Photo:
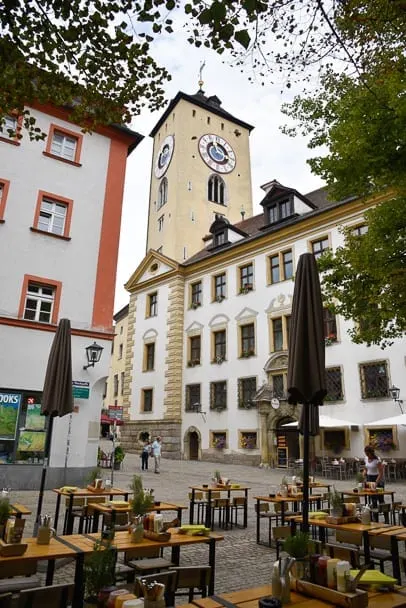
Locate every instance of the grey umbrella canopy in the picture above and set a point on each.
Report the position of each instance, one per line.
(57, 396)
(306, 364)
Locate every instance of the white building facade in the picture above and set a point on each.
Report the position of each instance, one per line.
(60, 214)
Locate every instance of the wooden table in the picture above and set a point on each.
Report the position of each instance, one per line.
(122, 542)
(368, 494)
(209, 490)
(59, 547)
(81, 493)
(18, 510)
(109, 509)
(282, 501)
(396, 534)
(248, 598)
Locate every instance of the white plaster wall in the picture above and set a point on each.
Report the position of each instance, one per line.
(153, 379)
(23, 366)
(74, 262)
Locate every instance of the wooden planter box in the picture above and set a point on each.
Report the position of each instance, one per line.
(358, 599)
(12, 549)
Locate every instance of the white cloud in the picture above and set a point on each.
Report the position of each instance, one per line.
(273, 155)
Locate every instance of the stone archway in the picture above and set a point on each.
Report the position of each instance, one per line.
(192, 444)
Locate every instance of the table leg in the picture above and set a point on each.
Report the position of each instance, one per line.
(179, 515)
(95, 524)
(367, 555)
(246, 509)
(258, 521)
(283, 512)
(175, 555)
(50, 572)
(208, 510)
(212, 563)
(57, 507)
(78, 593)
(192, 508)
(395, 559)
(69, 521)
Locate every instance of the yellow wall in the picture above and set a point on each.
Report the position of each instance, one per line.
(117, 364)
(179, 230)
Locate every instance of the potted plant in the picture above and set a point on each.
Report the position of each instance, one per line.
(5, 512)
(359, 479)
(94, 476)
(336, 503)
(141, 503)
(118, 457)
(297, 546)
(284, 488)
(99, 570)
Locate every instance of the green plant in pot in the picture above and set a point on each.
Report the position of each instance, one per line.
(99, 570)
(336, 503)
(297, 546)
(93, 475)
(359, 480)
(5, 512)
(141, 503)
(118, 457)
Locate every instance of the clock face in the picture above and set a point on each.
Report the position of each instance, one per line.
(217, 153)
(164, 155)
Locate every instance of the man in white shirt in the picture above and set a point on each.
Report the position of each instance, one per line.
(156, 452)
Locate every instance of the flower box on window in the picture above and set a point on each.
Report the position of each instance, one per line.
(195, 305)
(193, 362)
(330, 339)
(248, 353)
(246, 288)
(382, 440)
(219, 441)
(220, 298)
(248, 440)
(219, 360)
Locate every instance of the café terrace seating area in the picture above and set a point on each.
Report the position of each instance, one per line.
(170, 553)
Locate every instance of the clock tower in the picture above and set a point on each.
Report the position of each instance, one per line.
(201, 168)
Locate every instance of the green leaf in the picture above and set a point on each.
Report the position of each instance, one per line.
(243, 38)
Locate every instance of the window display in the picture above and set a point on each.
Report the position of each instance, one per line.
(22, 428)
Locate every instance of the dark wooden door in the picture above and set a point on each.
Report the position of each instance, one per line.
(193, 446)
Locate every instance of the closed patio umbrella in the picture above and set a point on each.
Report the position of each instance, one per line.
(306, 363)
(57, 396)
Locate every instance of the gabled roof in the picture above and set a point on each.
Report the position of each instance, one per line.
(151, 257)
(277, 190)
(213, 104)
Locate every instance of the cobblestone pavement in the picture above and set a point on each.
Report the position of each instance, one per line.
(240, 562)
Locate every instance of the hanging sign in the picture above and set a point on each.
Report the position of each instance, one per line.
(33, 420)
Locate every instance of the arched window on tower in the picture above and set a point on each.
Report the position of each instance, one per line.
(162, 193)
(216, 189)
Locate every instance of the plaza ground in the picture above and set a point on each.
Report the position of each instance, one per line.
(240, 562)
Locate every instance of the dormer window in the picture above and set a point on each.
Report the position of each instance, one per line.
(216, 190)
(280, 211)
(220, 238)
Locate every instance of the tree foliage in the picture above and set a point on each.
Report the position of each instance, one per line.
(365, 279)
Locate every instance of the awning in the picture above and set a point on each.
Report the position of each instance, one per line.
(400, 419)
(104, 419)
(326, 422)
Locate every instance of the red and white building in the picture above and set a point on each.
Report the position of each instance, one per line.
(60, 216)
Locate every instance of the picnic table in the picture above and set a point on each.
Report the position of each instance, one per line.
(209, 489)
(111, 509)
(18, 510)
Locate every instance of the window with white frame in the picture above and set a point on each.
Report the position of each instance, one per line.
(147, 399)
(281, 266)
(247, 388)
(192, 401)
(219, 284)
(319, 247)
(216, 190)
(160, 223)
(247, 337)
(359, 230)
(162, 193)
(218, 395)
(63, 145)
(9, 123)
(374, 379)
(52, 216)
(39, 303)
(246, 278)
(334, 384)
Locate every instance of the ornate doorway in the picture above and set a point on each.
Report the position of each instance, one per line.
(287, 442)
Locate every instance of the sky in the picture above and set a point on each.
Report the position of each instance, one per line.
(273, 155)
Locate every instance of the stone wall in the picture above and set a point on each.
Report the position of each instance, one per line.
(168, 430)
(218, 456)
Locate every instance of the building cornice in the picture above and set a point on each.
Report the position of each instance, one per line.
(90, 333)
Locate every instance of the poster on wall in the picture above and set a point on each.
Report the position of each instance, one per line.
(34, 421)
(31, 441)
(9, 410)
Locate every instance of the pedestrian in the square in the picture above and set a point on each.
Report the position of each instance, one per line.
(146, 450)
(156, 452)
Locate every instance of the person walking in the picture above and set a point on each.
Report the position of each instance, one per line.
(156, 452)
(146, 450)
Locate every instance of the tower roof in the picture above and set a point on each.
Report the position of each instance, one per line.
(212, 103)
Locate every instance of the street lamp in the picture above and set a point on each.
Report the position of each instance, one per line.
(93, 354)
(394, 393)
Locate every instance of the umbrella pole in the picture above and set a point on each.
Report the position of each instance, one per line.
(306, 422)
(47, 451)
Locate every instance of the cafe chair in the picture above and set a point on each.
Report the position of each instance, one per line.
(201, 505)
(238, 504)
(222, 506)
(265, 513)
(57, 596)
(122, 521)
(195, 579)
(352, 499)
(280, 533)
(380, 550)
(78, 512)
(89, 513)
(18, 575)
(396, 513)
(167, 578)
(146, 560)
(344, 553)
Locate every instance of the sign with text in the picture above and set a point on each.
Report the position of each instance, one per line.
(9, 409)
(33, 420)
(81, 389)
(115, 412)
